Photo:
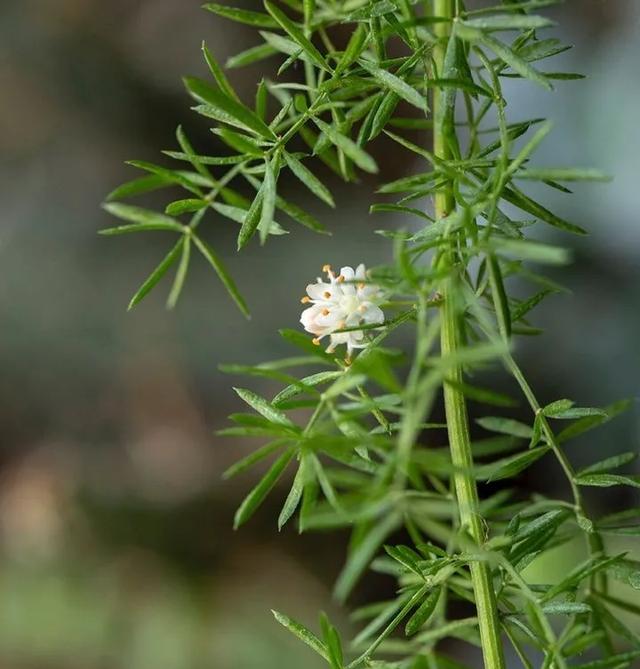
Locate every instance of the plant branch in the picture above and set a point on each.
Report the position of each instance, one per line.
(455, 405)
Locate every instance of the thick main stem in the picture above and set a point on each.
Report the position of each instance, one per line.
(455, 405)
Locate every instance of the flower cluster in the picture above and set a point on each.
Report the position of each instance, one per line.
(344, 301)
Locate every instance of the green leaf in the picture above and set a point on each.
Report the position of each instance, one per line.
(509, 22)
(362, 159)
(483, 395)
(561, 174)
(251, 221)
(181, 273)
(218, 74)
(580, 573)
(519, 199)
(510, 466)
(201, 90)
(266, 430)
(189, 205)
(424, 612)
(251, 55)
(332, 642)
(253, 500)
(514, 131)
(557, 407)
(626, 571)
(383, 207)
(456, 628)
(296, 34)
(407, 184)
(524, 307)
(239, 142)
(156, 275)
(282, 44)
(309, 179)
(138, 186)
(239, 214)
(566, 608)
(268, 191)
(571, 412)
(509, 57)
(137, 227)
(377, 367)
(253, 458)
(500, 299)
(537, 432)
(620, 661)
(325, 483)
(607, 480)
(373, 10)
(528, 250)
(455, 66)
(355, 46)
(383, 113)
(301, 216)
(343, 384)
(292, 210)
(142, 219)
(295, 494)
(264, 408)
(305, 635)
(189, 181)
(530, 539)
(185, 145)
(453, 84)
(541, 49)
(613, 622)
(541, 525)
(264, 371)
(262, 97)
(362, 553)
(222, 273)
(249, 18)
(532, 144)
(206, 160)
(587, 423)
(560, 76)
(614, 462)
(505, 426)
(313, 380)
(397, 85)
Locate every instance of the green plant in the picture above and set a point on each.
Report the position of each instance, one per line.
(365, 458)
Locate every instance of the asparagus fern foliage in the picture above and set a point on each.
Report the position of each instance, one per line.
(369, 457)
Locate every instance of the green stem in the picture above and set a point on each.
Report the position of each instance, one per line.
(595, 544)
(455, 405)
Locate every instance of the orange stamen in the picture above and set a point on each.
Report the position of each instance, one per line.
(327, 294)
(305, 299)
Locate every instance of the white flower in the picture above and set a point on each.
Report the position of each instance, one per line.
(345, 301)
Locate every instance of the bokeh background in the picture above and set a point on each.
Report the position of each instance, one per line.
(116, 547)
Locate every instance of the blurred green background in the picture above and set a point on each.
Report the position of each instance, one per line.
(116, 548)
